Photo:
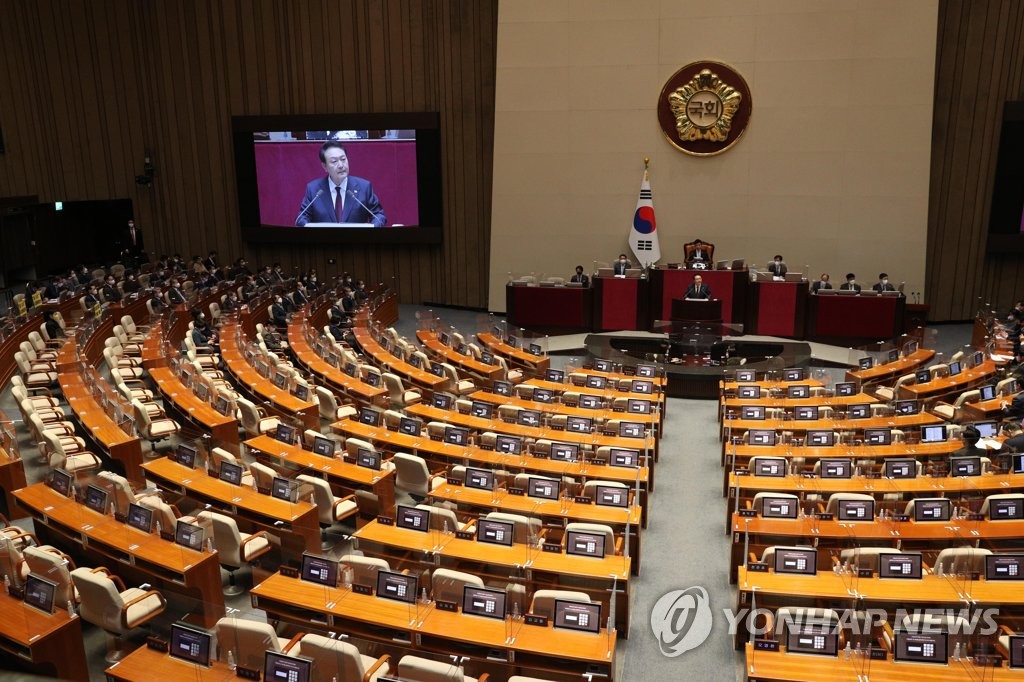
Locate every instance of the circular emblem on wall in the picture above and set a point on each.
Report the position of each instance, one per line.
(704, 108)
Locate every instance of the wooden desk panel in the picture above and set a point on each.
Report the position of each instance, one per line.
(390, 363)
(430, 341)
(985, 409)
(899, 421)
(188, 405)
(943, 386)
(145, 664)
(533, 364)
(48, 645)
(334, 377)
(80, 531)
(892, 370)
(649, 420)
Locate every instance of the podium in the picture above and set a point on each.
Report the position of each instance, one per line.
(777, 308)
(728, 286)
(620, 303)
(688, 310)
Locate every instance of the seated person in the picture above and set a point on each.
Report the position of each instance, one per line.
(53, 328)
(698, 290)
(620, 266)
(341, 328)
(883, 283)
(230, 303)
(1015, 440)
(822, 283)
(850, 284)
(204, 337)
(777, 267)
(700, 253)
(580, 277)
(278, 313)
(131, 283)
(92, 297)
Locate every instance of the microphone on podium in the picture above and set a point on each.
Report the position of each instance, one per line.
(352, 193)
(311, 202)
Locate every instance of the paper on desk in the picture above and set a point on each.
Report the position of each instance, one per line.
(990, 444)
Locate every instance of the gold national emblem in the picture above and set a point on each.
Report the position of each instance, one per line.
(704, 108)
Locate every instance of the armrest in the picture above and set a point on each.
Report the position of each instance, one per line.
(484, 678)
(254, 536)
(293, 641)
(887, 630)
(821, 507)
(369, 674)
(340, 501)
(141, 597)
(116, 580)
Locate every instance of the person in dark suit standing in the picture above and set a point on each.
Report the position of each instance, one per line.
(698, 290)
(883, 283)
(339, 197)
(134, 244)
(778, 267)
(278, 313)
(580, 277)
(620, 266)
(822, 283)
(850, 284)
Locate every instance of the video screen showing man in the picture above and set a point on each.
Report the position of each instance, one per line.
(698, 290)
(339, 197)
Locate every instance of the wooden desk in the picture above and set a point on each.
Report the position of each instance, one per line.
(429, 340)
(347, 477)
(530, 649)
(296, 524)
(145, 664)
(730, 386)
(900, 421)
(103, 540)
(520, 563)
(985, 409)
(944, 386)
(332, 376)
(734, 404)
(777, 308)
(12, 470)
(188, 406)
(390, 363)
(730, 286)
(51, 646)
(608, 395)
(890, 371)
(281, 401)
(533, 364)
(648, 420)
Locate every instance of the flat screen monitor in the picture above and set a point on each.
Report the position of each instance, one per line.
(639, 406)
(502, 387)
(585, 544)
(577, 615)
(866, 363)
(638, 386)
(351, 369)
(202, 392)
(223, 405)
(1017, 651)
(190, 644)
(986, 429)
(855, 510)
(139, 517)
(479, 601)
(556, 375)
(575, 424)
(412, 518)
(977, 358)
(858, 411)
(397, 586)
(770, 466)
(445, 339)
(761, 437)
(528, 418)
(495, 532)
(301, 391)
(543, 488)
(836, 468)
(755, 412)
(779, 507)
(900, 468)
(893, 355)
(543, 395)
(565, 452)
(230, 472)
(925, 647)
(39, 593)
(746, 375)
(510, 445)
(189, 535)
(369, 416)
(285, 433)
(611, 496)
(965, 466)
(932, 509)
(480, 409)
(646, 371)
(512, 341)
(595, 381)
(280, 380)
(535, 349)
(628, 459)
(846, 388)
(797, 561)
(805, 412)
(905, 566)
(821, 438)
(793, 374)
(442, 401)
(96, 499)
(60, 480)
(907, 407)
(410, 426)
(318, 569)
(283, 489)
(910, 347)
(954, 369)
(878, 436)
(487, 357)
(481, 479)
(279, 667)
(1006, 508)
(456, 435)
(1004, 567)
(603, 365)
(988, 391)
(437, 369)
(935, 433)
(798, 391)
(821, 639)
(368, 459)
(922, 376)
(323, 446)
(185, 455)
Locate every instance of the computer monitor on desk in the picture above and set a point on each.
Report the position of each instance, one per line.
(190, 644)
(846, 388)
(40, 592)
(510, 445)
(855, 510)
(900, 468)
(412, 518)
(796, 560)
(924, 647)
(813, 638)
(933, 509)
(769, 466)
(904, 566)
(1004, 567)
(576, 615)
(836, 468)
(280, 667)
(319, 570)
(495, 532)
(579, 543)
(480, 479)
(479, 601)
(821, 438)
(397, 586)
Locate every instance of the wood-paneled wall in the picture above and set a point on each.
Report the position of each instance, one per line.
(88, 87)
(979, 66)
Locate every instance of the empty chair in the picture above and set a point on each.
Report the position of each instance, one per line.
(334, 659)
(400, 397)
(543, 602)
(364, 568)
(1005, 387)
(442, 518)
(949, 412)
(866, 557)
(590, 487)
(220, 455)
(54, 565)
(122, 490)
(411, 474)
(36, 362)
(330, 509)
(446, 584)
(417, 669)
(40, 399)
(354, 445)
(233, 547)
(329, 407)
(63, 430)
(126, 368)
(938, 370)
(34, 378)
(59, 458)
(458, 385)
(247, 641)
(254, 420)
(106, 603)
(759, 499)
(151, 429)
(12, 561)
(263, 476)
(887, 393)
(513, 375)
(960, 560)
(130, 347)
(44, 351)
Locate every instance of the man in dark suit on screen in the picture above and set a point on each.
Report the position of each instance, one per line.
(339, 197)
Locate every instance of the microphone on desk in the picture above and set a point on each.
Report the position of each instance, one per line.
(352, 193)
(311, 202)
